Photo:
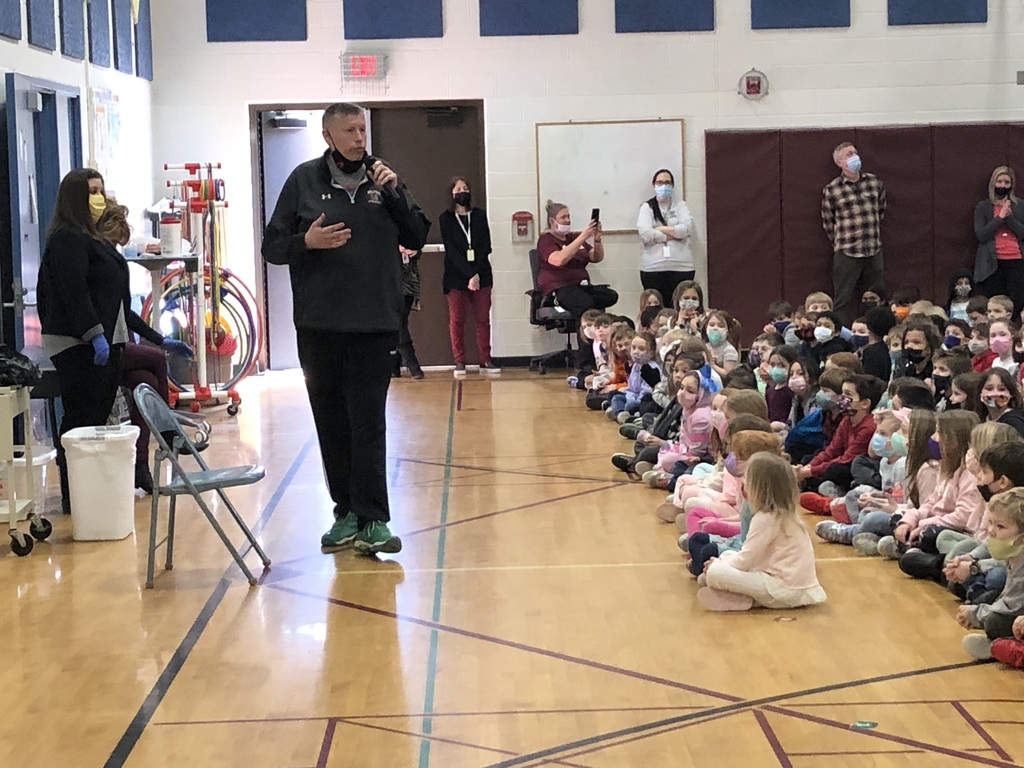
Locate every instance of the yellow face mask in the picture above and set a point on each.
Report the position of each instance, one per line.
(97, 205)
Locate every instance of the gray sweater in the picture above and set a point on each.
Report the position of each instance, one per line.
(1010, 602)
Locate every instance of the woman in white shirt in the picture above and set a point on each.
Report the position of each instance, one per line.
(665, 227)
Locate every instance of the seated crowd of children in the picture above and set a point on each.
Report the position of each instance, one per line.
(904, 432)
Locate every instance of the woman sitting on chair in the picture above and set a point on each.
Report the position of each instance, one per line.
(564, 256)
(143, 363)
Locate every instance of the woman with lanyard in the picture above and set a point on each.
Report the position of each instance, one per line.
(467, 277)
(665, 226)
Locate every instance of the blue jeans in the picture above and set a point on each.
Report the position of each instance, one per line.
(624, 401)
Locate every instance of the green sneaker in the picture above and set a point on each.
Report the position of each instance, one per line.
(377, 537)
(341, 535)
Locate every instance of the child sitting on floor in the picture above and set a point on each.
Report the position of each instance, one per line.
(1005, 542)
(861, 394)
(644, 375)
(775, 567)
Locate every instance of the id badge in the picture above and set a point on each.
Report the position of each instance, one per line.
(470, 256)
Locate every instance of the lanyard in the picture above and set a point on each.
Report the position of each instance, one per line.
(466, 229)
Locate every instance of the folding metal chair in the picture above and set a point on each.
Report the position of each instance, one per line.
(162, 423)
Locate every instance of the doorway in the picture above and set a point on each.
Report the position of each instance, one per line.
(40, 125)
(286, 135)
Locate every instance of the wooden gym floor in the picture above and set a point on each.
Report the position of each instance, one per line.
(538, 616)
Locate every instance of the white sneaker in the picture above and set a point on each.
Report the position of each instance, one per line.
(460, 370)
(978, 646)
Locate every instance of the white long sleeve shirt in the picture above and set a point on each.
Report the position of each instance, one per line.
(660, 253)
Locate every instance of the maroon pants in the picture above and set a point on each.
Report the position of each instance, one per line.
(459, 305)
(144, 364)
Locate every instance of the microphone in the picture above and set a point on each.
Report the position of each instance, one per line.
(388, 190)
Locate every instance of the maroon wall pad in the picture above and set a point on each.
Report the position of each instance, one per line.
(744, 211)
(963, 158)
(902, 157)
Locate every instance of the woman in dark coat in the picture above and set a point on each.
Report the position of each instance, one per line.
(999, 227)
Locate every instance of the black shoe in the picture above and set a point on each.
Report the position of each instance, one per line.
(629, 430)
(921, 565)
(622, 461)
(143, 478)
(417, 372)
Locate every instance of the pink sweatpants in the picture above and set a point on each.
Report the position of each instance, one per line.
(700, 519)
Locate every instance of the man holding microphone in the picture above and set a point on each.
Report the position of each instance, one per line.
(337, 225)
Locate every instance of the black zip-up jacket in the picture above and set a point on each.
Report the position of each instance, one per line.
(458, 270)
(83, 285)
(356, 288)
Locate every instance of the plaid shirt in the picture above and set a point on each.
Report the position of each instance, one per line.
(852, 213)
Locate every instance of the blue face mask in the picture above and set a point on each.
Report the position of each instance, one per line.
(853, 163)
(825, 400)
(952, 341)
(880, 446)
(663, 191)
(715, 337)
(895, 355)
(782, 325)
(859, 340)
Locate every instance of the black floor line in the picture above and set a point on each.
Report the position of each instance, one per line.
(142, 718)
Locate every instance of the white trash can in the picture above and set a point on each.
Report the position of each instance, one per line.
(101, 478)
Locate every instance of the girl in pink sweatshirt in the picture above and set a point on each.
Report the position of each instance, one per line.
(775, 567)
(955, 499)
(695, 395)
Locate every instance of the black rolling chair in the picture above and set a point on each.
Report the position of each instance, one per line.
(543, 312)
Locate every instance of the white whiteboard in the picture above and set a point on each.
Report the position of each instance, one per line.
(607, 165)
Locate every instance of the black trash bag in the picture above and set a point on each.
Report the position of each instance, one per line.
(16, 370)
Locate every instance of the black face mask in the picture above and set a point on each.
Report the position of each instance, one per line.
(347, 166)
(462, 198)
(941, 383)
(805, 333)
(986, 493)
(1002, 191)
(914, 356)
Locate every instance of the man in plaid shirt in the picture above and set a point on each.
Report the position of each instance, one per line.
(852, 209)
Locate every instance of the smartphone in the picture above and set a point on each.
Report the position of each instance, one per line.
(595, 215)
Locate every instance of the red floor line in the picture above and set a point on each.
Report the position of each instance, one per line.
(908, 701)
(504, 471)
(773, 739)
(498, 512)
(980, 730)
(642, 736)
(418, 715)
(902, 740)
(325, 745)
(443, 740)
(1002, 722)
(512, 644)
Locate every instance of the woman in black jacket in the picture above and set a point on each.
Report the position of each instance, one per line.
(999, 227)
(467, 278)
(85, 308)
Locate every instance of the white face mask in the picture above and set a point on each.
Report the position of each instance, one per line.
(588, 333)
(562, 229)
(822, 334)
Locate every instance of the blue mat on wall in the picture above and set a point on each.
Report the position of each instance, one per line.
(393, 19)
(99, 32)
(500, 18)
(937, 12)
(72, 29)
(799, 14)
(144, 42)
(10, 19)
(42, 25)
(233, 21)
(123, 59)
(665, 15)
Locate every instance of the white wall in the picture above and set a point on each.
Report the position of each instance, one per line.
(868, 74)
(131, 175)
